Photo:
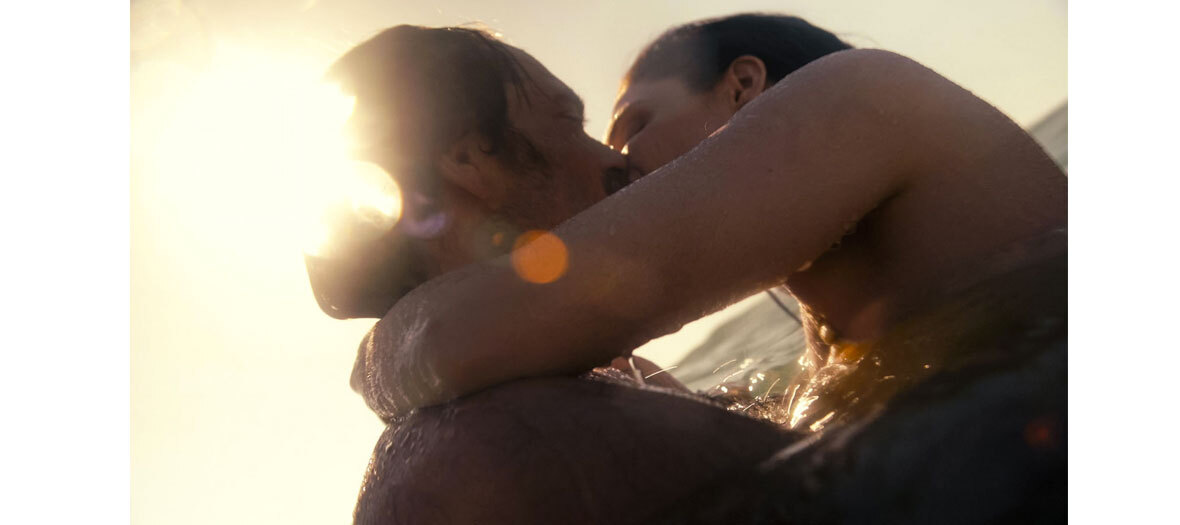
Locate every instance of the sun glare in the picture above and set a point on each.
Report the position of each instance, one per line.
(255, 151)
(371, 191)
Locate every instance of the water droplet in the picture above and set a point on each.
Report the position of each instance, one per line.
(823, 420)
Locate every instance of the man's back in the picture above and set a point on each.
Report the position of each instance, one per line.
(556, 450)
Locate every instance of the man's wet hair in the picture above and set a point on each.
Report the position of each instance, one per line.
(420, 89)
(700, 52)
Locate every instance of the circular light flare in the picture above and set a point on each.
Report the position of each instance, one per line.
(539, 257)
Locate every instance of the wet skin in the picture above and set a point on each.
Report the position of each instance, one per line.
(894, 254)
(979, 439)
(557, 450)
(961, 416)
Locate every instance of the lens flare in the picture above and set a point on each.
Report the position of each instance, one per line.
(539, 257)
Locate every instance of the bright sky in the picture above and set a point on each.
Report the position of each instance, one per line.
(240, 407)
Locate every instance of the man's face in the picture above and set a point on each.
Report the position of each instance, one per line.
(575, 164)
(656, 121)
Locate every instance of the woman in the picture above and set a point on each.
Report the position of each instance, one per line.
(870, 187)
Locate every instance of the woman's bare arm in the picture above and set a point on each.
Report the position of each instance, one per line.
(762, 196)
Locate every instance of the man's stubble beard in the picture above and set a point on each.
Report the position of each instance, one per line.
(535, 197)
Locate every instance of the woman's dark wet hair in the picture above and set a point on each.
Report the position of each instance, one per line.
(700, 52)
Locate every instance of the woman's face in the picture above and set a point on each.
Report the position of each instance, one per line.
(656, 121)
